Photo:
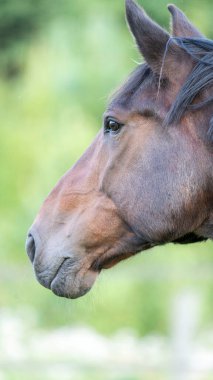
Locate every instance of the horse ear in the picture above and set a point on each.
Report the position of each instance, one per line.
(151, 39)
(181, 26)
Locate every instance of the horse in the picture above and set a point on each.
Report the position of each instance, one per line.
(147, 178)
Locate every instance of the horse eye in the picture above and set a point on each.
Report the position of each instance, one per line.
(112, 125)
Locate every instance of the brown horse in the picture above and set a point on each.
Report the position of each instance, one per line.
(147, 179)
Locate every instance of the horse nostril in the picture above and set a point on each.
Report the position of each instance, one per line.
(30, 247)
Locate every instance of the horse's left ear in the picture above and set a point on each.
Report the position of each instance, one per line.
(151, 39)
(181, 26)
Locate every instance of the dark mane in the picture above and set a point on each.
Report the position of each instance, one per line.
(201, 77)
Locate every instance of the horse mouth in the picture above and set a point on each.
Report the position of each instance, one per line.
(69, 280)
(72, 281)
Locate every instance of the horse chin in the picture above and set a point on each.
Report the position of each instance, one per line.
(73, 285)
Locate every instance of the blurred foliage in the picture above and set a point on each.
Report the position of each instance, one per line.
(59, 61)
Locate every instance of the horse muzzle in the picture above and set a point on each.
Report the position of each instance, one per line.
(63, 274)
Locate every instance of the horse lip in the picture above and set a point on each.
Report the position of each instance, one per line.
(74, 289)
(57, 271)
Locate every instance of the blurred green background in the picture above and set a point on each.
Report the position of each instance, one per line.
(59, 61)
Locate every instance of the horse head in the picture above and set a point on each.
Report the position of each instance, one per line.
(147, 177)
